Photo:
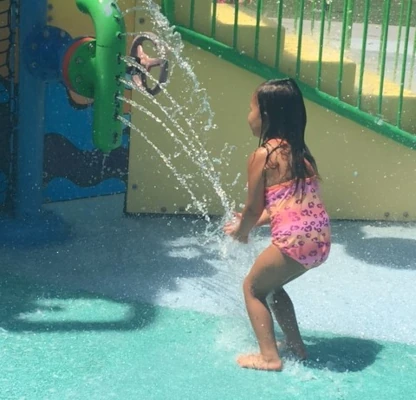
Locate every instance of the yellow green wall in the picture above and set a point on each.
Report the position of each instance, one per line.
(365, 175)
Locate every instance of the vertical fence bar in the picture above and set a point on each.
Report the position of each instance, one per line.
(235, 30)
(296, 10)
(384, 26)
(300, 33)
(191, 15)
(399, 38)
(214, 19)
(342, 50)
(350, 19)
(278, 32)
(363, 52)
(403, 77)
(321, 46)
(385, 33)
(168, 7)
(313, 4)
(328, 7)
(412, 66)
(257, 34)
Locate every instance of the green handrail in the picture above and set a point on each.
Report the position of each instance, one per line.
(227, 53)
(295, 11)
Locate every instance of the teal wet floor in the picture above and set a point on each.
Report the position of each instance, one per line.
(61, 345)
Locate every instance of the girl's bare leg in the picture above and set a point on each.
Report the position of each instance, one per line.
(284, 312)
(271, 270)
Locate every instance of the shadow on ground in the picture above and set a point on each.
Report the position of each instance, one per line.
(341, 354)
(20, 300)
(125, 261)
(392, 252)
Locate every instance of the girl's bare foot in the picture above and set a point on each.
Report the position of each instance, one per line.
(257, 361)
(298, 350)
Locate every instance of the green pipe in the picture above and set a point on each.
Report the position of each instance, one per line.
(300, 33)
(342, 50)
(227, 53)
(363, 52)
(278, 33)
(257, 33)
(101, 70)
(403, 77)
(321, 46)
(385, 33)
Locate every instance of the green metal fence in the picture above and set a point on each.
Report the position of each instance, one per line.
(367, 48)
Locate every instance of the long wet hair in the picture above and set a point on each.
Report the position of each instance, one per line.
(283, 116)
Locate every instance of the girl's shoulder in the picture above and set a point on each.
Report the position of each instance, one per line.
(274, 144)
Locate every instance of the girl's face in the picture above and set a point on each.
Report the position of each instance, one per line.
(254, 118)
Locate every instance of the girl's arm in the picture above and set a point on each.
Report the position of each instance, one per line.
(254, 207)
(264, 218)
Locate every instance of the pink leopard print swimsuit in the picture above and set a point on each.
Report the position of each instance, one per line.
(300, 225)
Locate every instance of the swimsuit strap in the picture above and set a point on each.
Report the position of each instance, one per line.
(270, 149)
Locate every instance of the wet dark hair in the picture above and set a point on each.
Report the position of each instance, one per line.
(283, 116)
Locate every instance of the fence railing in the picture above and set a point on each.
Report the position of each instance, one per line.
(357, 58)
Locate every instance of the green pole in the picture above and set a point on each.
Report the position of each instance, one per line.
(96, 67)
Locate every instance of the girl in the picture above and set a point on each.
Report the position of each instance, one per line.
(283, 190)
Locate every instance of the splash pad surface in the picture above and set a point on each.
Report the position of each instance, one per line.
(149, 308)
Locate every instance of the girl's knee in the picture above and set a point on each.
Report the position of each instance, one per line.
(250, 289)
(247, 286)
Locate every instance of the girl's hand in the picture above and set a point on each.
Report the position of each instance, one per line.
(232, 229)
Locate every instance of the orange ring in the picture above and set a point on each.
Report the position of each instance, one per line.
(67, 59)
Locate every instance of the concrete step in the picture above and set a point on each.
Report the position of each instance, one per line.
(309, 56)
(247, 21)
